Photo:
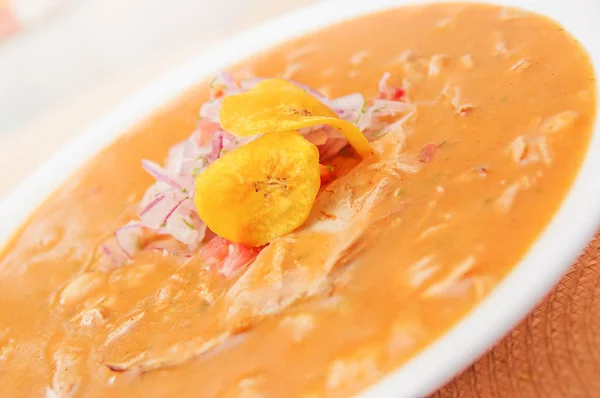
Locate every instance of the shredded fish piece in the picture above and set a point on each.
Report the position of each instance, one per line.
(249, 387)
(482, 285)
(527, 150)
(124, 327)
(359, 57)
(442, 287)
(174, 356)
(408, 55)
(445, 22)
(345, 372)
(404, 335)
(298, 325)
(7, 348)
(431, 231)
(454, 95)
(421, 271)
(559, 122)
(505, 201)
(520, 65)
(435, 64)
(542, 145)
(407, 168)
(501, 49)
(66, 378)
(466, 61)
(518, 148)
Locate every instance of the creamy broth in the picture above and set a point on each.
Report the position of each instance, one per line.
(505, 98)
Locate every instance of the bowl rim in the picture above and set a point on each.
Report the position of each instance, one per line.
(545, 262)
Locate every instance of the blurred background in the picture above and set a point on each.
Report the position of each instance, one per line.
(64, 63)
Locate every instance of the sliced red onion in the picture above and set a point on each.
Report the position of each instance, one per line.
(128, 238)
(153, 215)
(204, 132)
(317, 137)
(333, 146)
(148, 208)
(174, 209)
(348, 107)
(160, 174)
(320, 96)
(226, 80)
(217, 145)
(210, 110)
(179, 228)
(106, 250)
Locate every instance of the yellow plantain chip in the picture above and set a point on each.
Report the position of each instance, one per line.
(275, 105)
(260, 191)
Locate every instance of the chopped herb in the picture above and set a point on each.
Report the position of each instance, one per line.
(362, 110)
(204, 305)
(376, 133)
(183, 190)
(399, 192)
(188, 224)
(204, 160)
(195, 171)
(212, 82)
(441, 144)
(200, 117)
(330, 168)
(163, 225)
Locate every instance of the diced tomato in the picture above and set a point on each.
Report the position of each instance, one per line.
(398, 94)
(237, 256)
(227, 256)
(393, 94)
(327, 174)
(427, 153)
(218, 93)
(215, 251)
(206, 128)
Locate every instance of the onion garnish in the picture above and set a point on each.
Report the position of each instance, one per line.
(160, 174)
(128, 238)
(167, 208)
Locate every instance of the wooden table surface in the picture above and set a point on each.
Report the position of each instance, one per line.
(554, 352)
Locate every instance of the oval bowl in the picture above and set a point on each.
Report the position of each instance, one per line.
(540, 269)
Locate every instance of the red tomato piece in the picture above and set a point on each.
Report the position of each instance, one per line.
(228, 257)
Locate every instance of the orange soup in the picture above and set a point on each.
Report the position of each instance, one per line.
(478, 117)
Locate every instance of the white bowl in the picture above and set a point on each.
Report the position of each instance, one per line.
(576, 221)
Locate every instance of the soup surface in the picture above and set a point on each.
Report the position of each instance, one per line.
(396, 250)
